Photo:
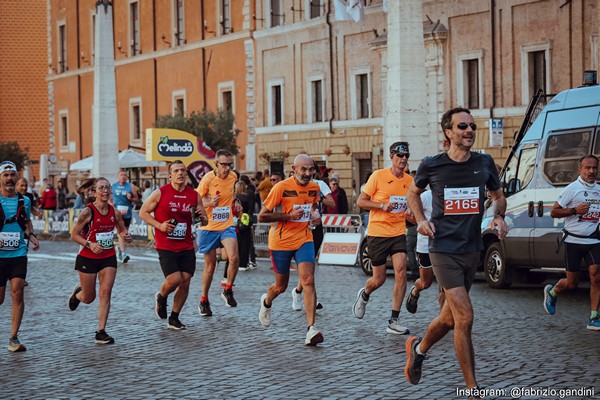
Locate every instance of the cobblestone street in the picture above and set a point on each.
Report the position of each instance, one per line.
(230, 355)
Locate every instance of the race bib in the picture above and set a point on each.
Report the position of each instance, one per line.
(179, 232)
(10, 240)
(459, 201)
(593, 213)
(399, 203)
(221, 214)
(105, 239)
(305, 212)
(123, 209)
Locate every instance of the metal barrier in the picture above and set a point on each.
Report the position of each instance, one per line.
(349, 223)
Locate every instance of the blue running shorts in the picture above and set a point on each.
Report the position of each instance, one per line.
(283, 258)
(210, 240)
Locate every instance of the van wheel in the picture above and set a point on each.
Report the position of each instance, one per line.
(365, 261)
(497, 274)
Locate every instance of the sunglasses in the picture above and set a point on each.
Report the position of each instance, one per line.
(463, 126)
(103, 188)
(226, 164)
(274, 179)
(401, 155)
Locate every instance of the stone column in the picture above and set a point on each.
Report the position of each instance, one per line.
(406, 112)
(104, 110)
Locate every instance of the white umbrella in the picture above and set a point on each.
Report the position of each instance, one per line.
(127, 159)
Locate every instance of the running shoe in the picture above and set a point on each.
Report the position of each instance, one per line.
(227, 296)
(395, 328)
(251, 266)
(411, 302)
(594, 323)
(14, 345)
(414, 362)
(73, 301)
(126, 258)
(103, 338)
(264, 315)
(296, 300)
(175, 324)
(160, 306)
(360, 305)
(243, 268)
(549, 300)
(319, 306)
(204, 309)
(313, 337)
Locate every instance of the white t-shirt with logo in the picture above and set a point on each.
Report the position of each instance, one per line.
(422, 240)
(575, 193)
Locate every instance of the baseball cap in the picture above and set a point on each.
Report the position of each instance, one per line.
(7, 166)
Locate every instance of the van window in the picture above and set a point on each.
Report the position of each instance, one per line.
(519, 171)
(563, 151)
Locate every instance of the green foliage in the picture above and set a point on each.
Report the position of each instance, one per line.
(216, 130)
(11, 151)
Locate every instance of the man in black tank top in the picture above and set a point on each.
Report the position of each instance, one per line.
(458, 180)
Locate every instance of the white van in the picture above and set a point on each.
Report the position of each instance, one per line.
(545, 160)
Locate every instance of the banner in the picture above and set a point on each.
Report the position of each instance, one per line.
(340, 248)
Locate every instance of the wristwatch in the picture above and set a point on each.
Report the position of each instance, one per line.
(87, 244)
(573, 211)
(500, 214)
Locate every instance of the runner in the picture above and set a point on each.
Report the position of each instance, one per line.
(15, 214)
(385, 195)
(172, 205)
(217, 192)
(124, 194)
(458, 180)
(579, 205)
(93, 231)
(290, 237)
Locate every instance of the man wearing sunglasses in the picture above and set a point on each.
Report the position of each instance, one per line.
(458, 180)
(217, 192)
(384, 195)
(16, 227)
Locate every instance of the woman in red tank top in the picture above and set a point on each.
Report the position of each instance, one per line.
(94, 232)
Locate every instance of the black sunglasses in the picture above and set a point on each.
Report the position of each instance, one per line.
(226, 164)
(463, 125)
(400, 155)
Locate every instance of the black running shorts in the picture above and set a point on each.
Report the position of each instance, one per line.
(14, 267)
(181, 261)
(455, 270)
(381, 247)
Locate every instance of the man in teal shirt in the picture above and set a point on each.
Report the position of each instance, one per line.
(124, 194)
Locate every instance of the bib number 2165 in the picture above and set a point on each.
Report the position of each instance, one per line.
(458, 201)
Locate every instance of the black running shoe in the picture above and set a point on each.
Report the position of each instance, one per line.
(160, 306)
(411, 302)
(73, 301)
(204, 309)
(103, 338)
(319, 306)
(414, 362)
(227, 296)
(175, 324)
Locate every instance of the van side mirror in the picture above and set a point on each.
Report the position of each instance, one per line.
(514, 185)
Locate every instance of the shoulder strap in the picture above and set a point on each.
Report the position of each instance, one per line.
(21, 215)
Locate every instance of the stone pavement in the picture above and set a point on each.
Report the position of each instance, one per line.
(230, 355)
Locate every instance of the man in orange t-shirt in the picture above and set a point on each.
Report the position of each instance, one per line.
(217, 192)
(385, 195)
(291, 237)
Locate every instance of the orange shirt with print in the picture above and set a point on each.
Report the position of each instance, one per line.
(384, 187)
(220, 217)
(291, 235)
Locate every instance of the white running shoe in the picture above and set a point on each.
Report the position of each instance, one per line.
(313, 336)
(360, 305)
(264, 315)
(296, 300)
(397, 329)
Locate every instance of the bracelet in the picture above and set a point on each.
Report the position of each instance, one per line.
(381, 205)
(499, 213)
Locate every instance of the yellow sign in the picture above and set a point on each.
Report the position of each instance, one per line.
(172, 144)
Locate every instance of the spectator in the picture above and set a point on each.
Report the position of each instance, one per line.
(147, 190)
(276, 177)
(48, 201)
(61, 195)
(339, 197)
(22, 185)
(265, 186)
(244, 225)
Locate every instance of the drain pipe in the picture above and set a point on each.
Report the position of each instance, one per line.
(493, 38)
(331, 69)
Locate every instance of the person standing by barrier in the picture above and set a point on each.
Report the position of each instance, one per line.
(22, 186)
(217, 192)
(290, 237)
(385, 196)
(15, 228)
(340, 200)
(325, 200)
(579, 205)
(244, 226)
(458, 180)
(124, 195)
(172, 205)
(48, 200)
(93, 231)
(61, 195)
(265, 186)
